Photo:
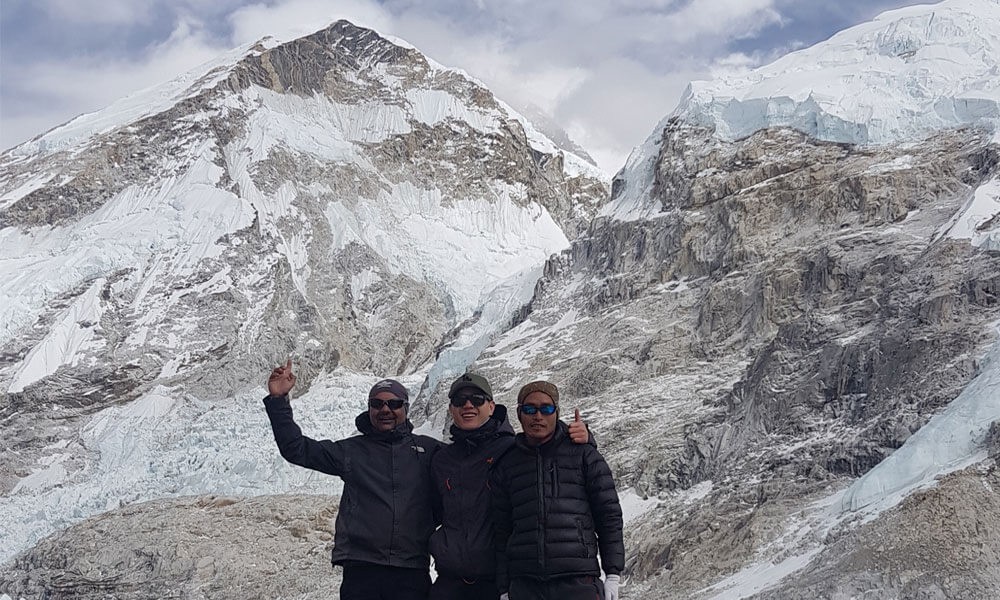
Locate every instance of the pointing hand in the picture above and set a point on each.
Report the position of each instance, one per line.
(282, 380)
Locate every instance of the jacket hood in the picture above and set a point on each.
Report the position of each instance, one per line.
(364, 425)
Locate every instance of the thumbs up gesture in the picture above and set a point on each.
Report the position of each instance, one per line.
(282, 380)
(578, 431)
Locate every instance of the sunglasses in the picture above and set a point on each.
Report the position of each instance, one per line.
(530, 409)
(394, 404)
(476, 400)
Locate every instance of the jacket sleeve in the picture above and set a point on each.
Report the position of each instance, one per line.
(607, 511)
(325, 456)
(503, 524)
(437, 503)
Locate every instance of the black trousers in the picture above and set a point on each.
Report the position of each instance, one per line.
(565, 588)
(377, 582)
(446, 587)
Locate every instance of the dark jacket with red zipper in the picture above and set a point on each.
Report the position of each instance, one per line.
(463, 546)
(386, 509)
(555, 511)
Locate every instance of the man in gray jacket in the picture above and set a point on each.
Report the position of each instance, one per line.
(386, 509)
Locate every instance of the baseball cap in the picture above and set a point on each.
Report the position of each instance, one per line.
(471, 380)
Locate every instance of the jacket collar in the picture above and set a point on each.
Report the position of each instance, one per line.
(496, 426)
(364, 425)
(561, 433)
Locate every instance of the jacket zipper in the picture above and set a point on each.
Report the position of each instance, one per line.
(542, 517)
(395, 513)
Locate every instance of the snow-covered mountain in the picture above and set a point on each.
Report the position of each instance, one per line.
(340, 199)
(785, 342)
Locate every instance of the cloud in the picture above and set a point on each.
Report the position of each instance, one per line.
(47, 93)
(606, 70)
(295, 18)
(617, 108)
(122, 12)
(722, 18)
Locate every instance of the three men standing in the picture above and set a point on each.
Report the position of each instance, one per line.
(398, 486)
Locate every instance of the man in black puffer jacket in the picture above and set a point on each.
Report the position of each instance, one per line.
(462, 547)
(556, 510)
(386, 509)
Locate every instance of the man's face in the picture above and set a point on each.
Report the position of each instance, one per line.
(385, 418)
(468, 416)
(538, 427)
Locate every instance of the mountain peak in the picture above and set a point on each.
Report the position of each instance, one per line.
(341, 47)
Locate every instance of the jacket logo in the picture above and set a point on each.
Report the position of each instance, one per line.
(418, 448)
(489, 460)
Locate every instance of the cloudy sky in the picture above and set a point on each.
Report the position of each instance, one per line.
(605, 70)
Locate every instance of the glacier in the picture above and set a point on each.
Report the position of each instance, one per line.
(907, 73)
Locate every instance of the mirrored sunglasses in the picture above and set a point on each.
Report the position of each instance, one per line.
(394, 404)
(530, 409)
(477, 400)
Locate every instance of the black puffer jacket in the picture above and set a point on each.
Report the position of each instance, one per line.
(463, 546)
(556, 509)
(386, 509)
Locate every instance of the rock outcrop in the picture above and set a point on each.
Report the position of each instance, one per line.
(939, 543)
(192, 547)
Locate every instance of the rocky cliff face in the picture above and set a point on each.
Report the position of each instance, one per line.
(789, 314)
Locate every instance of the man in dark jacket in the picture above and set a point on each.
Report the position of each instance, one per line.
(556, 510)
(386, 509)
(463, 547)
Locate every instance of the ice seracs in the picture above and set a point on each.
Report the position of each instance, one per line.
(899, 77)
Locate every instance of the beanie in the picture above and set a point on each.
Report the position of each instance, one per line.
(549, 389)
(389, 385)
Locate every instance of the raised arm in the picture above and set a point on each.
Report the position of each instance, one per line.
(325, 455)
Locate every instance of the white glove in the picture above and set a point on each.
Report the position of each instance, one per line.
(611, 587)
(505, 596)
